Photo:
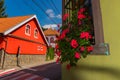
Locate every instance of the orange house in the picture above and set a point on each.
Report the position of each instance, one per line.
(23, 34)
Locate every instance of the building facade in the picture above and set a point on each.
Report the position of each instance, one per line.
(51, 36)
(22, 41)
(23, 32)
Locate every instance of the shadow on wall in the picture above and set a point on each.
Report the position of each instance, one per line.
(77, 73)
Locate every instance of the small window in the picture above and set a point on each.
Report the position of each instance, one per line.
(51, 40)
(27, 30)
(39, 48)
(36, 33)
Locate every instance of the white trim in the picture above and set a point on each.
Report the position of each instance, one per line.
(19, 25)
(41, 29)
(34, 33)
(40, 48)
(28, 34)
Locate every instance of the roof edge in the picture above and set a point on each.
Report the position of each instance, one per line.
(20, 24)
(41, 30)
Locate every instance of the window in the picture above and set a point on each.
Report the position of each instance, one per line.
(40, 48)
(36, 33)
(27, 30)
(52, 40)
(95, 12)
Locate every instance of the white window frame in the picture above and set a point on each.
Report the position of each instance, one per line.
(28, 34)
(34, 33)
(39, 48)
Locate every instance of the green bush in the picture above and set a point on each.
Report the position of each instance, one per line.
(50, 54)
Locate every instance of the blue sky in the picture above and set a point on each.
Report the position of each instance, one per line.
(48, 12)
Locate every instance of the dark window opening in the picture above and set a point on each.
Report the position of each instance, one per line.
(51, 40)
(36, 33)
(27, 29)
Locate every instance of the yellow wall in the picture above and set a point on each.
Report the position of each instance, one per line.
(101, 67)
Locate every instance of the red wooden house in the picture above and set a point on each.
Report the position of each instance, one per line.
(22, 33)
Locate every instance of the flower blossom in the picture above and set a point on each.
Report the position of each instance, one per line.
(63, 34)
(74, 43)
(81, 16)
(89, 48)
(77, 55)
(85, 35)
(65, 16)
(82, 48)
(81, 10)
(58, 59)
(56, 47)
(80, 13)
(58, 53)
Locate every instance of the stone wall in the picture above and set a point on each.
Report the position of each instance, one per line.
(11, 60)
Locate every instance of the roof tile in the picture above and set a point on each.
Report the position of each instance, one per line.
(50, 31)
(9, 22)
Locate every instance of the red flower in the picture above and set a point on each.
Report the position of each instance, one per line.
(82, 48)
(65, 16)
(80, 13)
(89, 48)
(90, 37)
(74, 43)
(58, 53)
(77, 55)
(58, 59)
(66, 31)
(81, 16)
(81, 10)
(68, 66)
(56, 47)
(85, 35)
(62, 36)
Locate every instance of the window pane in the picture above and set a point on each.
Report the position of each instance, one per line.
(36, 33)
(27, 29)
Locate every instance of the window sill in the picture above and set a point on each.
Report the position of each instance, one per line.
(101, 49)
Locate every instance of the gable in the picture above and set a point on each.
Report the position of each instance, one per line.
(18, 29)
(10, 22)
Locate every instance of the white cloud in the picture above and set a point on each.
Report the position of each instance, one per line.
(59, 16)
(51, 14)
(53, 26)
(49, 11)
